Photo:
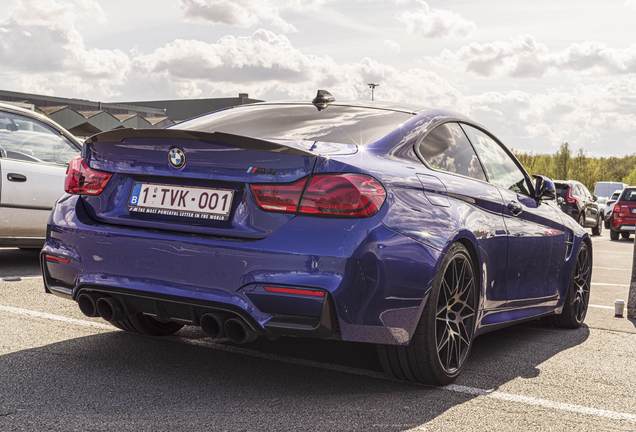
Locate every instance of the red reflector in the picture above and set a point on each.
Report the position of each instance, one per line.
(83, 180)
(352, 195)
(306, 292)
(57, 259)
(281, 197)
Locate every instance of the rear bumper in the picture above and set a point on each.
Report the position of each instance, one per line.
(624, 228)
(375, 280)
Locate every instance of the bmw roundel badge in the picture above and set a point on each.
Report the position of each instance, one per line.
(176, 158)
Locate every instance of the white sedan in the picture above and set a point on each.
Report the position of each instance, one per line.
(34, 154)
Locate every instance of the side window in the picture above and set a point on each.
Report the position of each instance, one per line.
(582, 191)
(502, 171)
(27, 139)
(447, 148)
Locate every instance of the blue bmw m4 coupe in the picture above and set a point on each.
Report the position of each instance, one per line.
(413, 229)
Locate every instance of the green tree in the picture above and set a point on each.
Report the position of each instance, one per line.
(631, 178)
(563, 158)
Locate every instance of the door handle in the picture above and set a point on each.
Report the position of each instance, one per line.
(20, 178)
(514, 208)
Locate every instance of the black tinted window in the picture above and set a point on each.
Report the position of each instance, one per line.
(562, 190)
(501, 169)
(629, 195)
(337, 124)
(447, 148)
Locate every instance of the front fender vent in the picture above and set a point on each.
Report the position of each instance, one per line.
(569, 245)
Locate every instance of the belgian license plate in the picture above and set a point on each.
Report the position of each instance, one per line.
(181, 201)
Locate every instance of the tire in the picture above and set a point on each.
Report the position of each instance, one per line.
(625, 235)
(444, 335)
(598, 229)
(146, 325)
(578, 296)
(581, 219)
(607, 224)
(613, 234)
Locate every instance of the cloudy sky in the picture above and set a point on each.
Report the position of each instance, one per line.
(535, 73)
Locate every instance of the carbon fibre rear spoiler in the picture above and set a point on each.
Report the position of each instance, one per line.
(241, 142)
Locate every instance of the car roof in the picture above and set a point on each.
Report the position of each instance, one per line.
(387, 106)
(37, 116)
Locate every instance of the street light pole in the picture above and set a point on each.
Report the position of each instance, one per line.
(372, 86)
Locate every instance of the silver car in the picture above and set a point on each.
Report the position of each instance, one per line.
(34, 154)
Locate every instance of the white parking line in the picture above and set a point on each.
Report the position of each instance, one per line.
(606, 284)
(543, 403)
(612, 268)
(350, 370)
(44, 315)
(601, 307)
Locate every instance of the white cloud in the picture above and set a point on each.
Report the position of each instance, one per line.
(435, 23)
(41, 51)
(267, 65)
(392, 46)
(594, 117)
(41, 45)
(245, 13)
(524, 57)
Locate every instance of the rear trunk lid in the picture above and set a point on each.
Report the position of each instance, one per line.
(205, 189)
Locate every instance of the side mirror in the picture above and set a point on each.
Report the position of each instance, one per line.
(544, 189)
(594, 198)
(12, 127)
(560, 201)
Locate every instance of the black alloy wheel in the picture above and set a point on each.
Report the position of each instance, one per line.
(598, 229)
(444, 335)
(578, 296)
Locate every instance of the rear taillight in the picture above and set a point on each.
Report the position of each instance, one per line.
(570, 198)
(83, 180)
(341, 195)
(351, 195)
(279, 197)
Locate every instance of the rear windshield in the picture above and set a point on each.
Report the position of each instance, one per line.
(336, 124)
(628, 195)
(562, 190)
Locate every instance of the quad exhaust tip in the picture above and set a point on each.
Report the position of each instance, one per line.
(94, 305)
(212, 323)
(87, 303)
(238, 331)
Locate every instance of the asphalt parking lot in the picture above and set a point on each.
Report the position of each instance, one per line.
(60, 370)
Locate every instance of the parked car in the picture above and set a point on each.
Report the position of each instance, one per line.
(414, 229)
(34, 153)
(609, 206)
(605, 188)
(623, 218)
(576, 201)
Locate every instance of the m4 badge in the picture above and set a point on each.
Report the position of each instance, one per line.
(257, 170)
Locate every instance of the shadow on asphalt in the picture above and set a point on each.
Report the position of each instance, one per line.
(19, 262)
(120, 381)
